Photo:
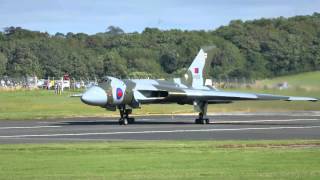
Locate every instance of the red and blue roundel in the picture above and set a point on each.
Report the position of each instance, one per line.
(119, 93)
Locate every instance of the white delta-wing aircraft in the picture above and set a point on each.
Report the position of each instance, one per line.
(113, 93)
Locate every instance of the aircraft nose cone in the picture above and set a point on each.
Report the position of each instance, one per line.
(95, 96)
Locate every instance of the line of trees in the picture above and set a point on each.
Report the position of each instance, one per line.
(252, 49)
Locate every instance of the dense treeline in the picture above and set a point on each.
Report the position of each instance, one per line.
(253, 49)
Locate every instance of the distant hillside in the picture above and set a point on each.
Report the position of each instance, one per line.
(254, 49)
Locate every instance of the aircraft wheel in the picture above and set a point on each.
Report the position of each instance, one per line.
(197, 121)
(207, 121)
(203, 121)
(131, 120)
(123, 121)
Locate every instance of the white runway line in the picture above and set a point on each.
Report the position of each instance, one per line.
(28, 127)
(46, 122)
(154, 132)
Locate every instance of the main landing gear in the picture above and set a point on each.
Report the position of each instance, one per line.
(201, 107)
(124, 116)
(201, 120)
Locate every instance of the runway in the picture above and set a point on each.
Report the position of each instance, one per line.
(268, 126)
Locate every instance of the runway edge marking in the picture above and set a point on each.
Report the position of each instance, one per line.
(154, 132)
(28, 127)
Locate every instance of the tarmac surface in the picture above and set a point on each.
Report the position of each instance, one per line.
(270, 126)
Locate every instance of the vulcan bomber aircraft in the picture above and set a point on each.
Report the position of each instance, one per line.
(127, 94)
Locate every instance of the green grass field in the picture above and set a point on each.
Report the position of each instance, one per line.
(44, 104)
(292, 159)
(163, 160)
(307, 81)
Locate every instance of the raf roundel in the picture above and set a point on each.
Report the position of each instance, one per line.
(119, 93)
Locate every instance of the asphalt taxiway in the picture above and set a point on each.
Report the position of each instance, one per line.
(223, 127)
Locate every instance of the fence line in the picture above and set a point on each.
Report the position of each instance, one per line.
(73, 84)
(11, 83)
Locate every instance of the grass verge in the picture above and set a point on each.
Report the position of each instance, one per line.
(42, 104)
(163, 160)
(307, 81)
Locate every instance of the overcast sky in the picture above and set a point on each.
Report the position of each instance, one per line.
(92, 16)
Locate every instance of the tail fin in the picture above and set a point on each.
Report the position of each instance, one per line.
(195, 74)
